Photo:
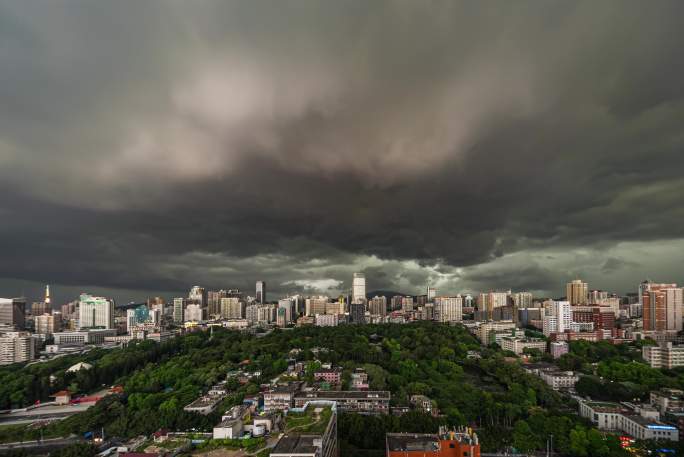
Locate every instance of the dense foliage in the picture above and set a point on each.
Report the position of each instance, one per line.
(506, 406)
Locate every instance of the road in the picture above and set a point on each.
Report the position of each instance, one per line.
(44, 413)
(38, 446)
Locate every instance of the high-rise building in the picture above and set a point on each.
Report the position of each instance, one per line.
(431, 293)
(407, 304)
(47, 324)
(316, 305)
(649, 285)
(357, 313)
(559, 318)
(232, 308)
(179, 305)
(289, 306)
(359, 288)
(662, 309)
(261, 292)
(378, 306)
(214, 301)
(95, 312)
(47, 300)
(396, 302)
(597, 296)
(13, 313)
(194, 313)
(576, 292)
(489, 301)
(522, 300)
(198, 295)
(449, 309)
(17, 347)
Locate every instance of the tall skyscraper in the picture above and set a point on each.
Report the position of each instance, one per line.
(261, 292)
(13, 313)
(576, 292)
(95, 312)
(47, 300)
(359, 288)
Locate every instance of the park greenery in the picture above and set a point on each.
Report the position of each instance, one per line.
(491, 393)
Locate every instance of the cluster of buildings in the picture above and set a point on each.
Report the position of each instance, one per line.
(640, 422)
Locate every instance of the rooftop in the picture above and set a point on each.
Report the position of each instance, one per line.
(412, 442)
(346, 394)
(300, 444)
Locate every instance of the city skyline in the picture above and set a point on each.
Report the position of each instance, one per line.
(149, 146)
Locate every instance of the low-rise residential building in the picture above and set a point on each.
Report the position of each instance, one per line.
(359, 379)
(559, 380)
(642, 428)
(667, 399)
(664, 356)
(487, 330)
(355, 401)
(204, 405)
(320, 442)
(605, 415)
(281, 397)
(326, 320)
(518, 345)
(558, 348)
(330, 375)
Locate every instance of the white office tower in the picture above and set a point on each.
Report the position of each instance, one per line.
(95, 312)
(194, 313)
(261, 292)
(449, 309)
(179, 304)
(558, 319)
(17, 347)
(359, 288)
(563, 312)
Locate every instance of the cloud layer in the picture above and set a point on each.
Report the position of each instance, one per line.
(151, 145)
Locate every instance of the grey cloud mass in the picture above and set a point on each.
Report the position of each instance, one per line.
(149, 146)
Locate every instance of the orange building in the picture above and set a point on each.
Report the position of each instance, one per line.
(461, 443)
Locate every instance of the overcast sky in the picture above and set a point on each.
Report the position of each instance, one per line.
(146, 146)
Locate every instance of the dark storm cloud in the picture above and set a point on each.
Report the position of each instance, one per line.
(150, 145)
